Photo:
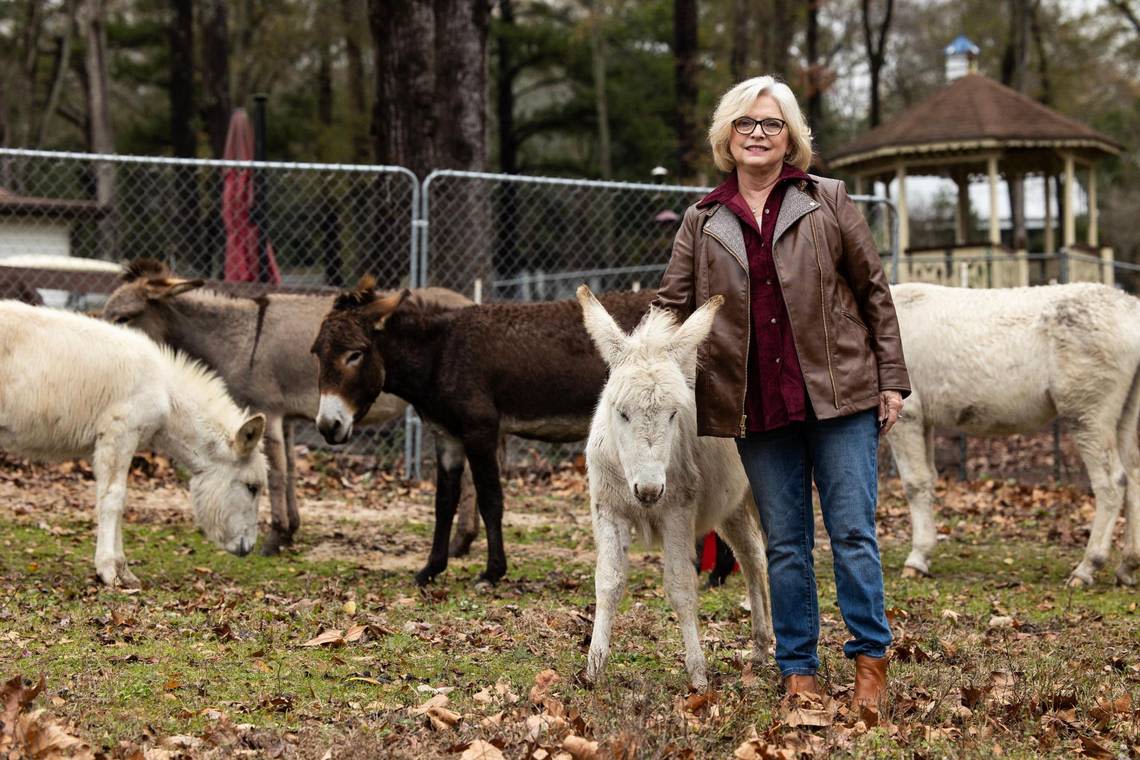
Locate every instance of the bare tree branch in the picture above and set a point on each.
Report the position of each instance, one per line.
(1126, 10)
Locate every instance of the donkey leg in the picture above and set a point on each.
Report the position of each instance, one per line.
(482, 453)
(611, 537)
(741, 531)
(911, 445)
(1129, 443)
(111, 463)
(291, 508)
(467, 526)
(448, 472)
(681, 589)
(1125, 571)
(278, 469)
(1096, 441)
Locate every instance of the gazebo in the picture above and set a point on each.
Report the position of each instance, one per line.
(976, 126)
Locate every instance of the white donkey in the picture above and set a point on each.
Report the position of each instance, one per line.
(73, 386)
(647, 468)
(997, 362)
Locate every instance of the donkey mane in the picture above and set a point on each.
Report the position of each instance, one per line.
(206, 388)
(362, 295)
(144, 269)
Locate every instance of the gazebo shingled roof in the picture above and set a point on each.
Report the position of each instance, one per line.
(974, 112)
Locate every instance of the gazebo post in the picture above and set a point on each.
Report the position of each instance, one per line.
(1068, 226)
(995, 224)
(1092, 240)
(1050, 240)
(962, 207)
(904, 218)
(858, 184)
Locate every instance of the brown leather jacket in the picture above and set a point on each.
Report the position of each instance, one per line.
(838, 300)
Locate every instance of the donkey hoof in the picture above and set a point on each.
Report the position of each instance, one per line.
(460, 547)
(426, 576)
(1124, 576)
(909, 571)
(490, 576)
(1079, 581)
(272, 544)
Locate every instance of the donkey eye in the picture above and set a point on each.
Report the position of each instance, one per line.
(353, 357)
(624, 416)
(122, 320)
(253, 489)
(673, 415)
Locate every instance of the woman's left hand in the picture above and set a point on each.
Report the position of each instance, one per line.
(890, 406)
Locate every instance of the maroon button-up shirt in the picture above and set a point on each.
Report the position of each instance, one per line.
(775, 395)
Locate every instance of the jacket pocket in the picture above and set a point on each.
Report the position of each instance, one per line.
(856, 320)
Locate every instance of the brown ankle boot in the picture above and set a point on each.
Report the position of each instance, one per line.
(870, 682)
(800, 684)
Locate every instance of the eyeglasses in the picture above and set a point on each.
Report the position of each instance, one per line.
(746, 125)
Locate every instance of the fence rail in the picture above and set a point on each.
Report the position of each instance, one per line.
(490, 236)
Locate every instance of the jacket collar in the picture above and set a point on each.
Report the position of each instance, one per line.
(727, 190)
(724, 225)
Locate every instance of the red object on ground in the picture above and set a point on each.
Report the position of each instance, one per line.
(708, 554)
(242, 234)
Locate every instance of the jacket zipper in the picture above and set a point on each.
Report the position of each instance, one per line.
(823, 313)
(747, 280)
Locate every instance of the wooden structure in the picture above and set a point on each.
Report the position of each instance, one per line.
(976, 126)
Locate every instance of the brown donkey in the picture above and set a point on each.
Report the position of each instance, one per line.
(259, 348)
(472, 374)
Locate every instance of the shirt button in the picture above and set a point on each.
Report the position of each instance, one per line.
(777, 360)
(773, 320)
(766, 210)
(767, 282)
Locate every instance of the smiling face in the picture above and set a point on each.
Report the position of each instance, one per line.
(758, 152)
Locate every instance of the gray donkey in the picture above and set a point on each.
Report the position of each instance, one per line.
(260, 348)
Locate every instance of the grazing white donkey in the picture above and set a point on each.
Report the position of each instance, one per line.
(647, 468)
(72, 386)
(997, 362)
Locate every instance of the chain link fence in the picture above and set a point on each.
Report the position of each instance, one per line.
(68, 221)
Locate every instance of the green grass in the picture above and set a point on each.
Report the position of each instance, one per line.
(211, 632)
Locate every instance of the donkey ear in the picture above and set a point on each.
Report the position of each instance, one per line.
(159, 290)
(610, 339)
(690, 335)
(249, 435)
(382, 308)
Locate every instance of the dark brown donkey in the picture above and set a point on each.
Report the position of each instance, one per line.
(526, 369)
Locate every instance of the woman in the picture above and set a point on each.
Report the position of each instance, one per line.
(804, 366)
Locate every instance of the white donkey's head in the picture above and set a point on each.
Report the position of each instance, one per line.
(226, 489)
(648, 404)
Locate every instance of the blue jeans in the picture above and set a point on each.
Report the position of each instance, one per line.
(842, 455)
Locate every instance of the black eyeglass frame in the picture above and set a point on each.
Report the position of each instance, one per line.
(758, 123)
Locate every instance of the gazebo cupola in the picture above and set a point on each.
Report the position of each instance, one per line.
(975, 127)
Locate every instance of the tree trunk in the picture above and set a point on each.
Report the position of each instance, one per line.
(1015, 63)
(505, 90)
(814, 78)
(876, 55)
(183, 136)
(461, 83)
(1042, 58)
(597, 34)
(685, 69)
(216, 73)
(92, 21)
(350, 13)
(741, 22)
(59, 71)
(403, 111)
(779, 39)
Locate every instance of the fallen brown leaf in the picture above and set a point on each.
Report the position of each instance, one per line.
(579, 748)
(481, 750)
(333, 637)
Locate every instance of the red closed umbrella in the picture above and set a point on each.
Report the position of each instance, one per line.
(243, 238)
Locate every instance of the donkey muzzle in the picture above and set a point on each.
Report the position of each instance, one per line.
(334, 419)
(648, 493)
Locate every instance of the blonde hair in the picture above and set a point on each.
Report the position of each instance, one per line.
(738, 101)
